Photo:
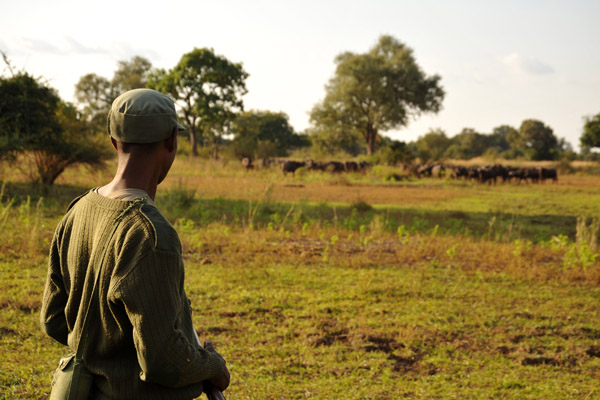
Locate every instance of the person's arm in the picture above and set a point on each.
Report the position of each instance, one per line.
(52, 314)
(153, 297)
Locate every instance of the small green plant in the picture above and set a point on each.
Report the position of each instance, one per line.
(402, 234)
(587, 231)
(580, 255)
(5, 207)
(520, 246)
(491, 224)
(352, 222)
(451, 252)
(334, 239)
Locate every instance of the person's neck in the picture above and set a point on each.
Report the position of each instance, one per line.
(130, 176)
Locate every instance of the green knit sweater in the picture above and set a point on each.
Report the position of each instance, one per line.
(140, 342)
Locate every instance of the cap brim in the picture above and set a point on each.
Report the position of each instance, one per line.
(180, 127)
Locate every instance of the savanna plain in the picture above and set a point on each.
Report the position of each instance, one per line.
(349, 286)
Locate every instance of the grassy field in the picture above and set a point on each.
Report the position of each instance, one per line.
(350, 286)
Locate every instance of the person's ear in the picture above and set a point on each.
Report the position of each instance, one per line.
(171, 141)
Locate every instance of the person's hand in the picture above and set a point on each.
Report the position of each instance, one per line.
(220, 382)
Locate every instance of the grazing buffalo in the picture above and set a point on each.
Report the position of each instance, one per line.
(438, 171)
(291, 166)
(425, 170)
(314, 165)
(486, 175)
(516, 174)
(247, 163)
(351, 166)
(549, 173)
(473, 173)
(334, 166)
(411, 169)
(363, 165)
(458, 172)
(532, 174)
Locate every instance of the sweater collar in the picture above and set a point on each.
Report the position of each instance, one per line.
(106, 202)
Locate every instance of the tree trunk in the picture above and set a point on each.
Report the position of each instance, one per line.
(369, 147)
(370, 137)
(193, 142)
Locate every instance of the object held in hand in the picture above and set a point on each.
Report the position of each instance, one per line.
(213, 393)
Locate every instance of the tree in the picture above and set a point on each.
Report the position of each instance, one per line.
(35, 122)
(467, 144)
(131, 74)
(538, 140)
(329, 141)
(208, 89)
(27, 114)
(591, 132)
(76, 144)
(499, 137)
(377, 91)
(392, 152)
(433, 145)
(96, 93)
(260, 134)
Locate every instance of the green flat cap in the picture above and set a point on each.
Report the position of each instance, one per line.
(142, 116)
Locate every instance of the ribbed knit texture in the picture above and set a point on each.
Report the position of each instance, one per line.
(139, 341)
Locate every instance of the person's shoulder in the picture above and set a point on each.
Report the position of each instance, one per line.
(76, 200)
(164, 235)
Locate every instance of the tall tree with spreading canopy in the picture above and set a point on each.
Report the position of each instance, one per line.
(377, 91)
(37, 124)
(208, 88)
(538, 140)
(96, 93)
(76, 144)
(591, 133)
(131, 74)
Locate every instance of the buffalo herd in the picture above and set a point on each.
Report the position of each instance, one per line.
(489, 174)
(485, 174)
(290, 166)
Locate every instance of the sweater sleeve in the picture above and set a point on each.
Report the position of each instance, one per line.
(153, 297)
(52, 315)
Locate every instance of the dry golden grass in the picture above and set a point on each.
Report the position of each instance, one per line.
(374, 248)
(313, 307)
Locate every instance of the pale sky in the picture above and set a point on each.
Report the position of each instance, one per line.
(500, 61)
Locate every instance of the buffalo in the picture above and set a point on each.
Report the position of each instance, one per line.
(291, 166)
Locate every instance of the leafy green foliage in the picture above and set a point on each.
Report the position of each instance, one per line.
(27, 114)
(432, 145)
(534, 141)
(209, 89)
(131, 74)
(393, 152)
(35, 122)
(538, 140)
(77, 144)
(261, 134)
(591, 132)
(467, 144)
(327, 140)
(96, 93)
(377, 91)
